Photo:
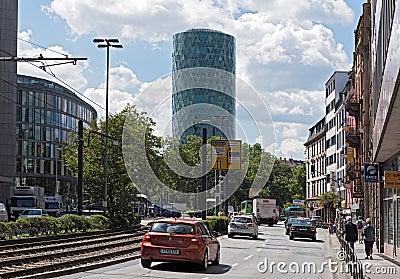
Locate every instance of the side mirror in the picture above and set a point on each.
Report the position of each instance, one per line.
(215, 233)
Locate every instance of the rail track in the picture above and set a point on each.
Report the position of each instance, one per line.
(55, 256)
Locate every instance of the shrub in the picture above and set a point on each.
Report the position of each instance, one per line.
(67, 223)
(99, 222)
(217, 223)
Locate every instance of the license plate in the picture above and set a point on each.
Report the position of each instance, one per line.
(169, 251)
(303, 229)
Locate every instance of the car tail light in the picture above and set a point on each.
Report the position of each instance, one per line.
(250, 225)
(146, 237)
(195, 240)
(312, 229)
(232, 225)
(293, 228)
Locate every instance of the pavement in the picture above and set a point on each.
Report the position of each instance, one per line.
(380, 267)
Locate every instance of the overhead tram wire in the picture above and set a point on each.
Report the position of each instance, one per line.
(64, 83)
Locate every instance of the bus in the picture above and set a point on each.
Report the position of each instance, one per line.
(246, 206)
(294, 211)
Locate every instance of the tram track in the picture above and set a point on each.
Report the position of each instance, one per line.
(46, 259)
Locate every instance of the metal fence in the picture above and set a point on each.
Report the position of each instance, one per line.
(353, 264)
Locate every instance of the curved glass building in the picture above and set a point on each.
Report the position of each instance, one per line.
(46, 113)
(203, 84)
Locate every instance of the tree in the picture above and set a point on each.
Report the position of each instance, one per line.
(328, 199)
(121, 190)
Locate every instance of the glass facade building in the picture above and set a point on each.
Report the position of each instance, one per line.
(45, 115)
(203, 84)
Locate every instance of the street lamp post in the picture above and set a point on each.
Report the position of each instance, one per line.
(56, 161)
(106, 43)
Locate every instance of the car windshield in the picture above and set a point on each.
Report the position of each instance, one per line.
(241, 220)
(303, 222)
(165, 227)
(31, 212)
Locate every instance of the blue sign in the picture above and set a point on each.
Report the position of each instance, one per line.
(371, 173)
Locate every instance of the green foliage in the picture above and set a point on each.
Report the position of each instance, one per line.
(217, 223)
(99, 222)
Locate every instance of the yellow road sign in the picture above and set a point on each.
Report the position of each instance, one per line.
(226, 154)
(392, 179)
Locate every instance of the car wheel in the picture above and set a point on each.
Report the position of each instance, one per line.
(230, 235)
(291, 237)
(314, 238)
(145, 263)
(217, 257)
(204, 263)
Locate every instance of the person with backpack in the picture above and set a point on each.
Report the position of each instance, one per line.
(360, 226)
(369, 238)
(350, 232)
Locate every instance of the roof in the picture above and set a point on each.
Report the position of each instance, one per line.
(177, 220)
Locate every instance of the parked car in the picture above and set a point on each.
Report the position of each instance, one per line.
(243, 225)
(180, 240)
(302, 227)
(3, 213)
(28, 213)
(316, 221)
(288, 224)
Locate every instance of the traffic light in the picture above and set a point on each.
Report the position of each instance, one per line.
(312, 170)
(332, 178)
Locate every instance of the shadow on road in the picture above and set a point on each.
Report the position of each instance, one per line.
(191, 268)
(308, 240)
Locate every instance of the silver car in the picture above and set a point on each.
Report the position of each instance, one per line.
(243, 225)
(3, 213)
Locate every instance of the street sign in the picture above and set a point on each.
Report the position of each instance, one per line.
(371, 172)
(298, 202)
(392, 179)
(226, 154)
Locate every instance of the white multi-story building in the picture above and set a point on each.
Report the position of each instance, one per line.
(333, 87)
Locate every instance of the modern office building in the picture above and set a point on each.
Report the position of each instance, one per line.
(45, 115)
(203, 84)
(8, 93)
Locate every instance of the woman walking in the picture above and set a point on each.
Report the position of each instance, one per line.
(369, 238)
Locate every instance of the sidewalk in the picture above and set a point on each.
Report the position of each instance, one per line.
(377, 268)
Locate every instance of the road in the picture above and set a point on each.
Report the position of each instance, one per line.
(241, 257)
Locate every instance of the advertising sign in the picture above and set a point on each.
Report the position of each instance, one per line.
(226, 154)
(371, 173)
(392, 179)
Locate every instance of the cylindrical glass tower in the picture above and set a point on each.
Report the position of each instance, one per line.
(203, 84)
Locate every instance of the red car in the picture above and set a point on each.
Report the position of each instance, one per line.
(179, 240)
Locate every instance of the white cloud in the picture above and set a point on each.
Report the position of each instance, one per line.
(285, 50)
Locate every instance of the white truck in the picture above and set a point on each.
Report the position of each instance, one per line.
(54, 205)
(265, 211)
(25, 197)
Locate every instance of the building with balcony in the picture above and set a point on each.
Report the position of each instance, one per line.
(203, 84)
(315, 160)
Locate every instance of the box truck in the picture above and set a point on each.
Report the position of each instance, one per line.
(265, 211)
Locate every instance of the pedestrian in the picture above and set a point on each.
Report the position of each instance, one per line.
(330, 226)
(369, 238)
(360, 226)
(350, 232)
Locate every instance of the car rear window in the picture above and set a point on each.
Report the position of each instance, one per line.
(241, 220)
(180, 228)
(302, 222)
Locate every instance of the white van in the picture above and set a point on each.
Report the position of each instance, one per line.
(3, 213)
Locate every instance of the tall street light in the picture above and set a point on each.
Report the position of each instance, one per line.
(106, 43)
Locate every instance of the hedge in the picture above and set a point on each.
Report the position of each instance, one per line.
(69, 223)
(217, 223)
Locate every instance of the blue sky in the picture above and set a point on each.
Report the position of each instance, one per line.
(286, 50)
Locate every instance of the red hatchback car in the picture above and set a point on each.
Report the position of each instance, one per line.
(179, 240)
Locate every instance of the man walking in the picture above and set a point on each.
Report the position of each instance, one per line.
(360, 226)
(369, 238)
(350, 232)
